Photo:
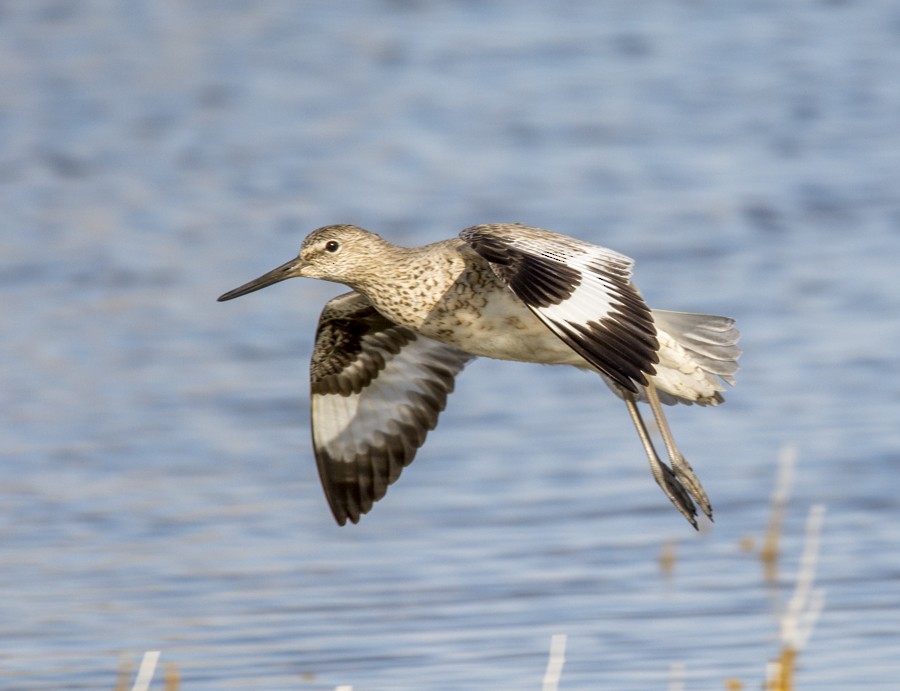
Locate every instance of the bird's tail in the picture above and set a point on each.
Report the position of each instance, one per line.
(709, 340)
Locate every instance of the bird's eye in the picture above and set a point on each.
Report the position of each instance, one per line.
(332, 246)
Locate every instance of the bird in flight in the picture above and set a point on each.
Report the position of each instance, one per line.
(387, 353)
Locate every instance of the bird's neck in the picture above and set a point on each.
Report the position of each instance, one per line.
(413, 282)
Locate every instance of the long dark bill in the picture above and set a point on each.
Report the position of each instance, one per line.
(286, 270)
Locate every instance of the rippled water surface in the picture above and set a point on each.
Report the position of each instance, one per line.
(157, 483)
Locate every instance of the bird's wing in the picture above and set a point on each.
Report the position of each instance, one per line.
(582, 292)
(376, 391)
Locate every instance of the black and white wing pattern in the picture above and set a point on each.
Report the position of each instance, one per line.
(582, 292)
(376, 391)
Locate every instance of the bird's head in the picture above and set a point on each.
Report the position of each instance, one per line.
(339, 253)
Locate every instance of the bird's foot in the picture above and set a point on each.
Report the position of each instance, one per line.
(677, 493)
(689, 481)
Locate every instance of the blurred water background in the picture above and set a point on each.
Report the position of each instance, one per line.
(157, 485)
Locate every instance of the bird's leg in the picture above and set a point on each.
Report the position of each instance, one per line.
(663, 475)
(682, 468)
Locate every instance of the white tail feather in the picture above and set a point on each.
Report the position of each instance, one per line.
(709, 342)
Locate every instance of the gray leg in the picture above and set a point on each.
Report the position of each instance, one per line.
(663, 475)
(682, 468)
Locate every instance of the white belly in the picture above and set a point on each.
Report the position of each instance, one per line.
(503, 328)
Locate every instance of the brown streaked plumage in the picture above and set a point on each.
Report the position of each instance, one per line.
(387, 353)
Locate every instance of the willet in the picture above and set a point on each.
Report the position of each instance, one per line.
(387, 353)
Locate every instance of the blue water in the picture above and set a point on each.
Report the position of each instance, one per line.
(157, 483)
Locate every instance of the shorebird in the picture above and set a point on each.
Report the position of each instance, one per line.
(387, 353)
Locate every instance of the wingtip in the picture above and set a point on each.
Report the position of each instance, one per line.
(340, 513)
